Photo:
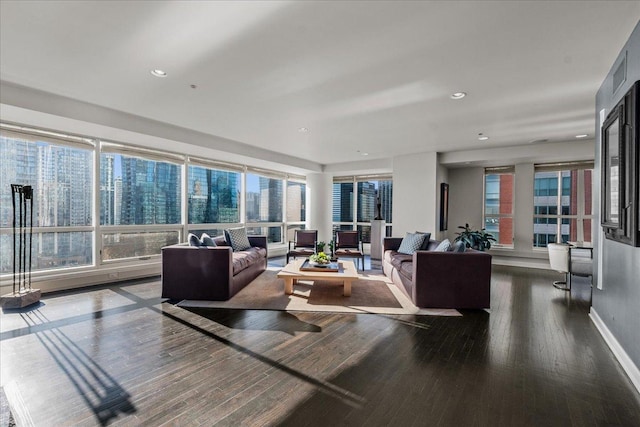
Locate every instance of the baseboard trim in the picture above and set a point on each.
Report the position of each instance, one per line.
(627, 364)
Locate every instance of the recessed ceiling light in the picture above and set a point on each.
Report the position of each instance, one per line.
(458, 95)
(584, 135)
(159, 73)
(303, 130)
(482, 137)
(365, 154)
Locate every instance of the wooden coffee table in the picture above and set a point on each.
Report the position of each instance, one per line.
(291, 273)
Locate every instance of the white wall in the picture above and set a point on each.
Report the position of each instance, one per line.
(466, 189)
(414, 193)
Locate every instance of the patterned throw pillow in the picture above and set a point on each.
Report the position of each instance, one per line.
(443, 246)
(206, 240)
(411, 243)
(237, 238)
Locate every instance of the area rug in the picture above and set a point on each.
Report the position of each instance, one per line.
(370, 294)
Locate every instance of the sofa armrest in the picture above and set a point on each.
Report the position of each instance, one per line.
(259, 242)
(391, 243)
(452, 280)
(190, 272)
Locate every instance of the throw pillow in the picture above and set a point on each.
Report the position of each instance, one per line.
(206, 240)
(443, 246)
(425, 243)
(193, 240)
(237, 238)
(458, 247)
(411, 243)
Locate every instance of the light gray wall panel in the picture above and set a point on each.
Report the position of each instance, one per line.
(618, 302)
(465, 198)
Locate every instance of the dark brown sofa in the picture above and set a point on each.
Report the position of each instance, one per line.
(439, 279)
(211, 273)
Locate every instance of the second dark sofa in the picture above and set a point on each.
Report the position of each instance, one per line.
(439, 279)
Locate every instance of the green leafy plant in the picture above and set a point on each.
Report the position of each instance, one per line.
(320, 258)
(476, 239)
(320, 246)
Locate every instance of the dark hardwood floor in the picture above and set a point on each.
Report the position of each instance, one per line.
(118, 355)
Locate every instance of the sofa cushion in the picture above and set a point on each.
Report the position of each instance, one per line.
(458, 246)
(220, 241)
(432, 245)
(406, 269)
(206, 240)
(237, 238)
(411, 243)
(397, 259)
(425, 242)
(193, 240)
(244, 259)
(443, 246)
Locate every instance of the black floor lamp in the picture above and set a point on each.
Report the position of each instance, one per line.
(23, 294)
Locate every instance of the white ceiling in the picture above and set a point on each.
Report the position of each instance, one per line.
(372, 77)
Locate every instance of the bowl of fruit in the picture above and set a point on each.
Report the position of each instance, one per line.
(319, 260)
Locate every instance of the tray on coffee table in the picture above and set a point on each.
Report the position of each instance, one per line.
(332, 267)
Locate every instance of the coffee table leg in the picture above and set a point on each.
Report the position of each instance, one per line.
(288, 286)
(347, 288)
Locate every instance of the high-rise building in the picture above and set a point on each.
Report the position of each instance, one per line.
(107, 190)
(385, 194)
(271, 206)
(366, 201)
(150, 192)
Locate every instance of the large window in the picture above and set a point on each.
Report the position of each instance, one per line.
(138, 191)
(213, 196)
(264, 204)
(146, 199)
(498, 204)
(370, 191)
(61, 174)
(562, 203)
(296, 207)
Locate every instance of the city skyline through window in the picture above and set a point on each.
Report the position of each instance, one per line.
(562, 206)
(139, 206)
(368, 194)
(61, 177)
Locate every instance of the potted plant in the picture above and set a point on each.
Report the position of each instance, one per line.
(320, 246)
(476, 239)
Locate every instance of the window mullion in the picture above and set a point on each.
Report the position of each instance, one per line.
(559, 207)
(185, 200)
(580, 208)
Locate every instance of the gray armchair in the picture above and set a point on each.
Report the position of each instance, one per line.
(572, 261)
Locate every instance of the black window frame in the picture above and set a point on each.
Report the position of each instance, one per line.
(627, 229)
